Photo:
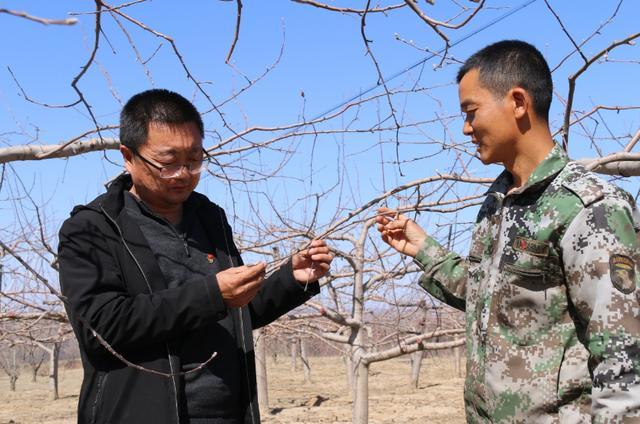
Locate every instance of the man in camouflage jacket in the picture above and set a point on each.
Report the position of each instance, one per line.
(550, 288)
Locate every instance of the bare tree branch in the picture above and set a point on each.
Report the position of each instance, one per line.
(623, 163)
(47, 151)
(572, 83)
(347, 9)
(44, 21)
(237, 31)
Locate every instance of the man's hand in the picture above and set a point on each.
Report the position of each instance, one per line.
(400, 232)
(240, 284)
(311, 264)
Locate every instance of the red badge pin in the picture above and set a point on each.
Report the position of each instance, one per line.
(210, 258)
(523, 244)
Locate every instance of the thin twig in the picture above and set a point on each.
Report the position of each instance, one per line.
(237, 31)
(553, 12)
(44, 21)
(574, 77)
(347, 9)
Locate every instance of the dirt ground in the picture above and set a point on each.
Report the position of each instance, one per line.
(391, 400)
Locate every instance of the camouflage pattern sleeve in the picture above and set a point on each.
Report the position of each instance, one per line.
(601, 259)
(445, 273)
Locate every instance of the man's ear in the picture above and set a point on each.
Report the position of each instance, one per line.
(127, 155)
(521, 101)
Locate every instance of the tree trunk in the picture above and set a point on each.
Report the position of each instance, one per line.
(13, 371)
(361, 394)
(417, 357)
(416, 364)
(358, 339)
(348, 365)
(293, 345)
(360, 378)
(54, 356)
(261, 370)
(35, 367)
(457, 359)
(304, 358)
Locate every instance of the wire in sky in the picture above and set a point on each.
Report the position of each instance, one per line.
(425, 59)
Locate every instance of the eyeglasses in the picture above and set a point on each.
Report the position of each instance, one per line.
(172, 171)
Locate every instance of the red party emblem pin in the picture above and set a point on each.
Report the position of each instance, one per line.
(210, 258)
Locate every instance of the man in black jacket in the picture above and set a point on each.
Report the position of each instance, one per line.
(155, 285)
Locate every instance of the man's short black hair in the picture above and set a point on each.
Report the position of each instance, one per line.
(513, 63)
(159, 106)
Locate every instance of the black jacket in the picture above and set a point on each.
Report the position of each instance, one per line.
(114, 287)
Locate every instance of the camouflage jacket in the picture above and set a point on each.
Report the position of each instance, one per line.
(551, 296)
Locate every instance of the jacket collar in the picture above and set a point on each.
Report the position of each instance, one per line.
(550, 166)
(112, 202)
(210, 215)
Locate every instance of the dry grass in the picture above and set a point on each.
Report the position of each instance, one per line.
(392, 400)
(31, 402)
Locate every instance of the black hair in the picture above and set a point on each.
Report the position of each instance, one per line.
(513, 63)
(159, 106)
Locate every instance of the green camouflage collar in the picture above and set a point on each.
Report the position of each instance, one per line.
(548, 168)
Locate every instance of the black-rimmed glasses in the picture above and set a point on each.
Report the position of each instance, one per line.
(172, 171)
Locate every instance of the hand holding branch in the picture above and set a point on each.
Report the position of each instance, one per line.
(400, 232)
(311, 264)
(238, 285)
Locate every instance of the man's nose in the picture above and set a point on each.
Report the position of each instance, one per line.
(467, 129)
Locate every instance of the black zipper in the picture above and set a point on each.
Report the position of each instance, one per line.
(251, 405)
(102, 379)
(146, 280)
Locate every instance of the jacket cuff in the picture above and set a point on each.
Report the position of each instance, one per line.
(430, 254)
(310, 289)
(215, 297)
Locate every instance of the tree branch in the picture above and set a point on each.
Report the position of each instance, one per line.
(574, 77)
(46, 151)
(44, 21)
(237, 31)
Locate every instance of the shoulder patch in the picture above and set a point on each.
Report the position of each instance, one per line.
(583, 184)
(622, 271)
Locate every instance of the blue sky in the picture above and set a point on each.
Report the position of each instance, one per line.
(324, 57)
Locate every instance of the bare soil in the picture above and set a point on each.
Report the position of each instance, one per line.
(325, 400)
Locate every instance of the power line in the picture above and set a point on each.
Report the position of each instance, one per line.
(424, 60)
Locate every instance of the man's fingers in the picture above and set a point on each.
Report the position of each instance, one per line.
(317, 243)
(389, 219)
(233, 270)
(316, 247)
(243, 294)
(384, 216)
(390, 214)
(239, 285)
(251, 286)
(321, 257)
(250, 272)
(316, 251)
(323, 267)
(396, 225)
